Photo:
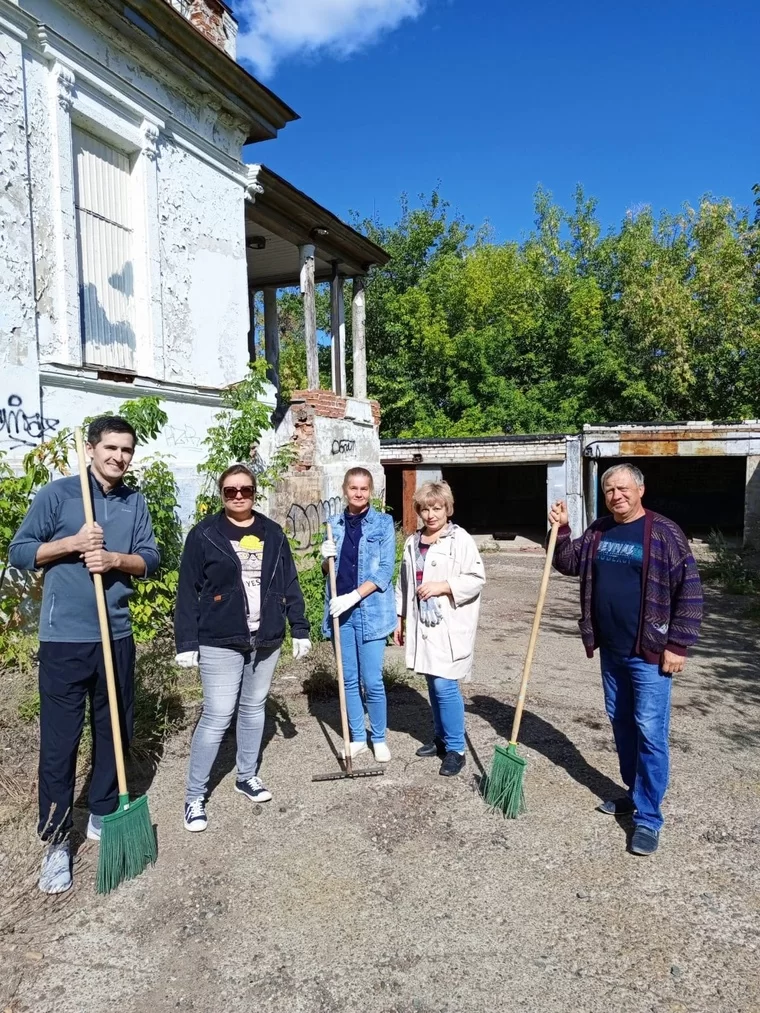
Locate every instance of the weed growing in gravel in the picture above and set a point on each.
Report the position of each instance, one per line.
(726, 568)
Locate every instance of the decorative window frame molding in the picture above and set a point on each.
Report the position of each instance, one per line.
(77, 97)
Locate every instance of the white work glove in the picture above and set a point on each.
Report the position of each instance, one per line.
(301, 648)
(188, 659)
(343, 602)
(329, 549)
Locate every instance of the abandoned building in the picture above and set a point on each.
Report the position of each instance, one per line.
(702, 475)
(135, 238)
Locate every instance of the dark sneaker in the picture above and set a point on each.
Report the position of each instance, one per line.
(617, 806)
(644, 841)
(434, 748)
(452, 764)
(195, 815)
(253, 788)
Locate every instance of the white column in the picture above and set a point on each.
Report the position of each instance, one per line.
(272, 335)
(338, 331)
(358, 317)
(306, 254)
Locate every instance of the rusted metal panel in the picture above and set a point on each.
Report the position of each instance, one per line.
(408, 489)
(648, 448)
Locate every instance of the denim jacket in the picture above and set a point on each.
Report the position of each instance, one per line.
(377, 559)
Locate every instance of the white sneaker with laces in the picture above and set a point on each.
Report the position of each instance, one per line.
(355, 748)
(381, 751)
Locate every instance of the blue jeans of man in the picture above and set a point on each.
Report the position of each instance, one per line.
(447, 706)
(363, 665)
(637, 699)
(231, 679)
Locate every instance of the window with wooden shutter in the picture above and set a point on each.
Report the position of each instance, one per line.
(105, 243)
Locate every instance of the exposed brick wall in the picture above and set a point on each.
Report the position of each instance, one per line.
(329, 405)
(213, 20)
(472, 453)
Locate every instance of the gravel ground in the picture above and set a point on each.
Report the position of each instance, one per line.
(402, 893)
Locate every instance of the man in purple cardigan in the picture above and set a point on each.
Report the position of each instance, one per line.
(641, 605)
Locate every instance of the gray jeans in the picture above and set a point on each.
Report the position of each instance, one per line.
(230, 679)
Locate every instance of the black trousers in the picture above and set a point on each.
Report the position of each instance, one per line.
(69, 674)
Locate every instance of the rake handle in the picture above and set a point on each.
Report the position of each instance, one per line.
(105, 632)
(534, 634)
(339, 659)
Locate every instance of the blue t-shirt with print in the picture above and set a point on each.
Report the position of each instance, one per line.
(618, 565)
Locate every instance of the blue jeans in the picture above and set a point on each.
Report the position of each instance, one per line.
(447, 706)
(363, 662)
(231, 679)
(637, 699)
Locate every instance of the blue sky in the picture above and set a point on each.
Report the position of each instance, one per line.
(643, 103)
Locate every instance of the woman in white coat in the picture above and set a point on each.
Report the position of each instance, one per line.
(438, 604)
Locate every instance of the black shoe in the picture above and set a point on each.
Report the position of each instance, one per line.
(617, 806)
(644, 841)
(434, 748)
(452, 764)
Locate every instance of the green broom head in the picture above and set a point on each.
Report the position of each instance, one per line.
(127, 843)
(503, 787)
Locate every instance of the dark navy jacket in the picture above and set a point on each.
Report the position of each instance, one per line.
(212, 607)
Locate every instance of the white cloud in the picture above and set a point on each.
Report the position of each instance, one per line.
(272, 30)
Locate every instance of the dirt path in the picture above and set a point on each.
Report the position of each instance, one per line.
(401, 894)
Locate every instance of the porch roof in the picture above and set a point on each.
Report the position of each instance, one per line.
(285, 218)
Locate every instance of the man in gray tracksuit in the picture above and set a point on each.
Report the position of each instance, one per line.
(120, 545)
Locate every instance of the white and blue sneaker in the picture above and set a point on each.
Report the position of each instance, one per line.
(94, 827)
(195, 815)
(253, 788)
(55, 875)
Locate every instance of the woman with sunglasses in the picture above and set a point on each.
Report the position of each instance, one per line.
(237, 586)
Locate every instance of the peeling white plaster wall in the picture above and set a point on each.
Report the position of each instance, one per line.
(19, 386)
(192, 238)
(203, 269)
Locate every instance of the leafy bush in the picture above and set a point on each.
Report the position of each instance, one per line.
(725, 567)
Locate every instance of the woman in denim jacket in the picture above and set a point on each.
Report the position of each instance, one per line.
(364, 548)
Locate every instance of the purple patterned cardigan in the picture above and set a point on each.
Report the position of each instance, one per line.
(671, 605)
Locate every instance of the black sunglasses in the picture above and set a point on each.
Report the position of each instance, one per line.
(232, 491)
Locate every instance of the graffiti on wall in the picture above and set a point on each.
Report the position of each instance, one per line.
(20, 429)
(181, 436)
(306, 524)
(342, 447)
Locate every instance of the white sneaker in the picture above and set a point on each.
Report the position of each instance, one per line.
(55, 875)
(355, 748)
(94, 827)
(381, 751)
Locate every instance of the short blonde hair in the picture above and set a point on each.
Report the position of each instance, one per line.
(434, 492)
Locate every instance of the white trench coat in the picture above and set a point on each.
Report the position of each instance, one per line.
(445, 650)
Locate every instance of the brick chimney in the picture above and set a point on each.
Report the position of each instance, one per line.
(213, 19)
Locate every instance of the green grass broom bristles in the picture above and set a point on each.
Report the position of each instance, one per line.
(127, 843)
(503, 787)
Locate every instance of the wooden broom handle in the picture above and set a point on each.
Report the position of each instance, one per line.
(534, 633)
(105, 632)
(339, 659)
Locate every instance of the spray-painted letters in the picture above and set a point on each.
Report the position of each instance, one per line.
(306, 524)
(342, 447)
(22, 430)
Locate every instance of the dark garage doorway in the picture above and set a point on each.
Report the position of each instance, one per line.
(499, 499)
(701, 494)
